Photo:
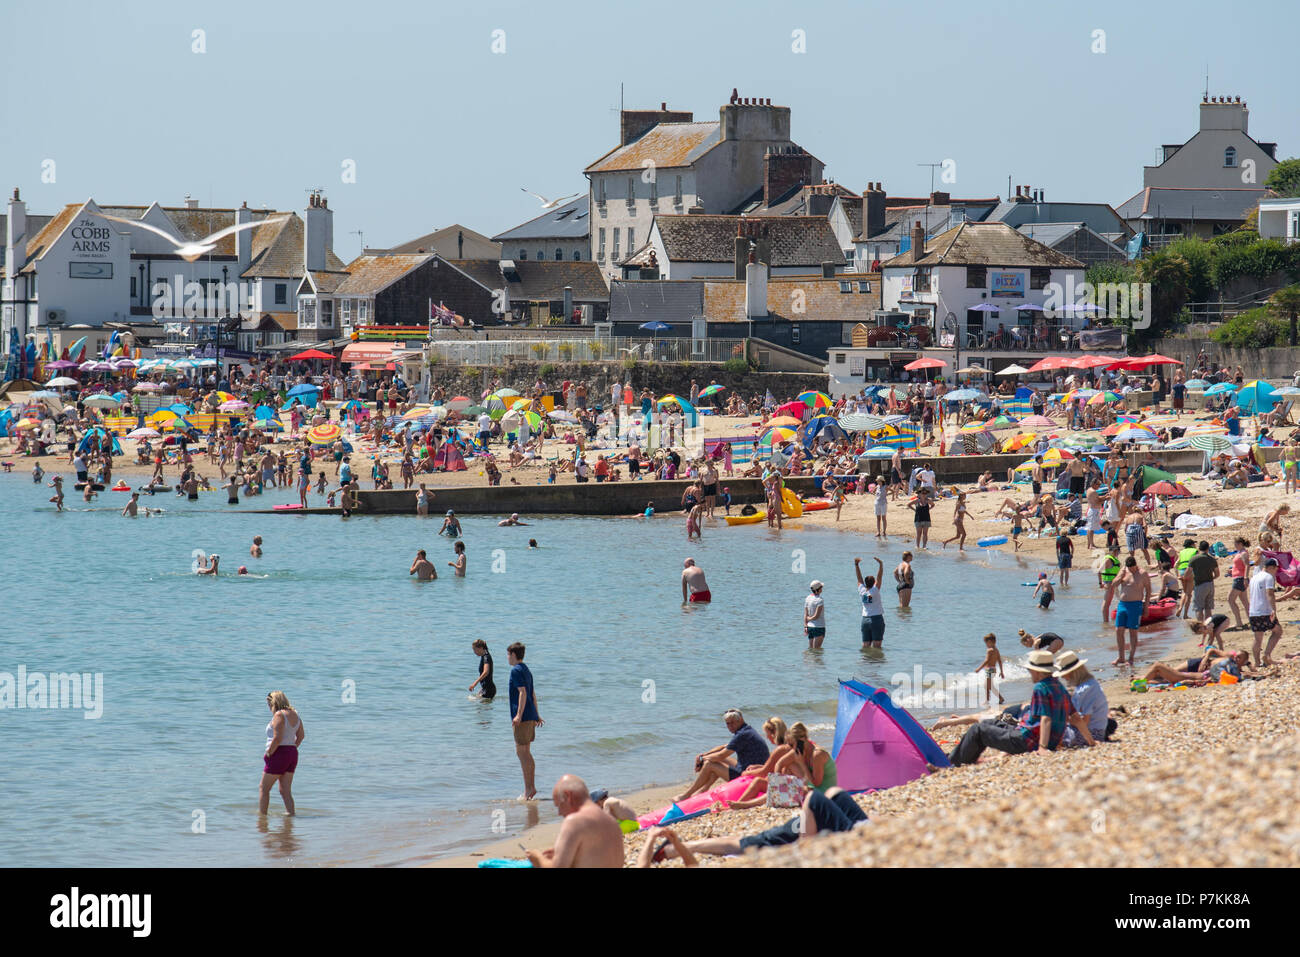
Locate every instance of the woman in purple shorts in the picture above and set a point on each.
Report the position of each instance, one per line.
(284, 733)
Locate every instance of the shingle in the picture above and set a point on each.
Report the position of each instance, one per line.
(277, 251)
(367, 275)
(819, 300)
(569, 221)
(1173, 202)
(675, 302)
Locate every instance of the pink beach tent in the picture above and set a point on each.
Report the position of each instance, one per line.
(879, 745)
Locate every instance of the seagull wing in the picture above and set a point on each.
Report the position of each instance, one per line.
(143, 225)
(567, 198)
(230, 230)
(538, 195)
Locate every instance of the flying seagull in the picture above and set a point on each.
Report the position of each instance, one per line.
(192, 251)
(550, 203)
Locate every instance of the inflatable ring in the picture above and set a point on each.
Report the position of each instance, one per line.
(992, 540)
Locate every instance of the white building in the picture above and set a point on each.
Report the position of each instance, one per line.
(1280, 219)
(562, 234)
(940, 283)
(666, 163)
(82, 268)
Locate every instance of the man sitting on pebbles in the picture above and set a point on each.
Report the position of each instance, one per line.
(1040, 728)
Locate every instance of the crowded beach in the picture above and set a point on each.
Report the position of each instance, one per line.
(1100, 499)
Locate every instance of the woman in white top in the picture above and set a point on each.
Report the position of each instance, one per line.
(284, 733)
(882, 507)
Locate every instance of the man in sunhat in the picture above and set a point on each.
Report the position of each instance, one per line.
(1041, 725)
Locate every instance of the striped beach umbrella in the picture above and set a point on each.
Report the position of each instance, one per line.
(815, 400)
(861, 422)
(709, 390)
(1101, 398)
(324, 434)
(1209, 443)
(776, 436)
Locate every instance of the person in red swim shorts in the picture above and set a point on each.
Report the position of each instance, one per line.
(694, 587)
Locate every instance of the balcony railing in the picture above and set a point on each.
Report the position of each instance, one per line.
(603, 349)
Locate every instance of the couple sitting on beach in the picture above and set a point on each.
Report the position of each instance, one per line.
(1054, 717)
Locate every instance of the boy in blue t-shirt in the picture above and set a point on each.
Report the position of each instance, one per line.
(523, 715)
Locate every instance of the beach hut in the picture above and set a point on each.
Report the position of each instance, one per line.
(879, 745)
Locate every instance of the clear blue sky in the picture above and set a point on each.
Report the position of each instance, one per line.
(443, 130)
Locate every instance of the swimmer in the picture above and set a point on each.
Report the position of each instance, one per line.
(38, 473)
(695, 590)
(450, 525)
(461, 559)
(243, 570)
(512, 520)
(422, 568)
(256, 548)
(532, 543)
(210, 569)
(57, 485)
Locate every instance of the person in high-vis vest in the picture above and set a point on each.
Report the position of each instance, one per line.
(1107, 571)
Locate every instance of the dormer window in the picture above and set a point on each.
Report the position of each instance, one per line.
(1230, 157)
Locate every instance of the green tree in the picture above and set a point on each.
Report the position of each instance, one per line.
(1170, 277)
(1252, 329)
(1284, 178)
(1200, 257)
(1285, 304)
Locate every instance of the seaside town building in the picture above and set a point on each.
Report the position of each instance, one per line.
(1206, 186)
(560, 234)
(667, 164)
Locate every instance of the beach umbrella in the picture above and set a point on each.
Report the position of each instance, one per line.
(773, 436)
(234, 405)
(45, 394)
(507, 393)
(964, 395)
(1018, 442)
(1221, 388)
(1196, 384)
(534, 421)
(101, 400)
(972, 370)
(925, 362)
(61, 382)
(1012, 369)
(350, 405)
(310, 354)
(1287, 390)
(1101, 398)
(1255, 397)
(1037, 422)
(1209, 443)
(1048, 363)
(510, 421)
(826, 427)
(1056, 456)
(1144, 362)
(671, 399)
(180, 408)
(561, 415)
(1169, 489)
(324, 434)
(972, 427)
(785, 421)
(417, 412)
(877, 452)
(143, 433)
(709, 390)
(305, 388)
(459, 403)
(264, 412)
(26, 424)
(1091, 362)
(1002, 423)
(1135, 435)
(861, 422)
(124, 363)
(655, 326)
(815, 400)
(795, 410)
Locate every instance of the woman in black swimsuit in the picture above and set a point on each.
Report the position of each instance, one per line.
(921, 518)
(906, 579)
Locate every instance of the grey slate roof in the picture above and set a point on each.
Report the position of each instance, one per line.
(1053, 234)
(899, 219)
(1171, 202)
(985, 244)
(538, 280)
(675, 302)
(1099, 217)
(569, 221)
(796, 240)
(277, 251)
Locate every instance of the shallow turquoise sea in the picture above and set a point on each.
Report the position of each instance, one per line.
(407, 768)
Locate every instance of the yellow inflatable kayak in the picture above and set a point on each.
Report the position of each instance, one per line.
(791, 507)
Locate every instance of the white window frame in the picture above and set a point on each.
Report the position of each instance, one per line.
(600, 235)
(617, 231)
(281, 293)
(631, 194)
(345, 311)
(1230, 157)
(631, 240)
(326, 315)
(363, 310)
(654, 193)
(306, 312)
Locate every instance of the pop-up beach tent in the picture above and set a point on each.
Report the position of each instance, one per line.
(449, 458)
(878, 744)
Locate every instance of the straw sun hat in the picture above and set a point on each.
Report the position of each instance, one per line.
(1068, 661)
(1041, 662)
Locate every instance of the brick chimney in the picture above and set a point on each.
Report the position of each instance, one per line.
(918, 241)
(634, 124)
(784, 168)
(940, 199)
(873, 210)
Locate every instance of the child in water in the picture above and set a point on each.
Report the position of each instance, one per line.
(992, 661)
(1044, 591)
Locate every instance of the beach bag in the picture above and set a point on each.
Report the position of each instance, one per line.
(785, 790)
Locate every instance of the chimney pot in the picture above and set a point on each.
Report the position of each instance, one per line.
(15, 192)
(663, 105)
